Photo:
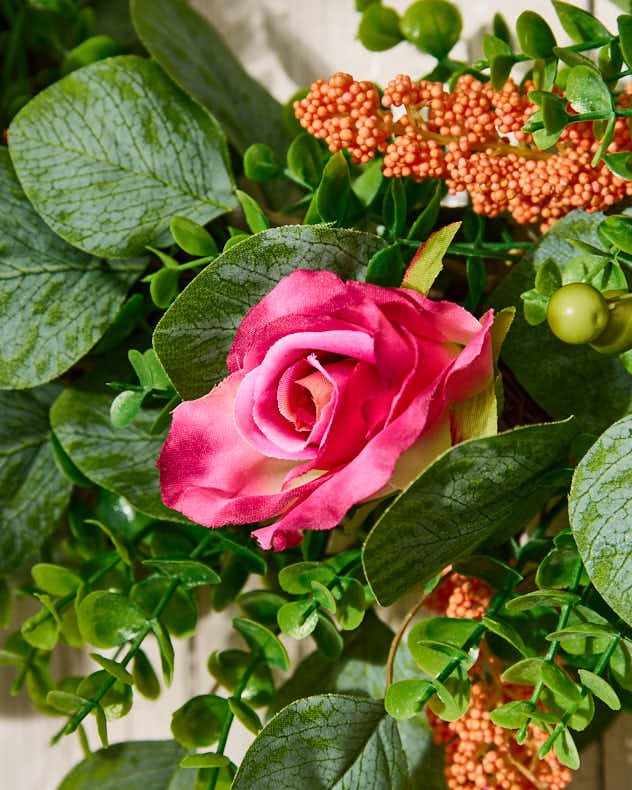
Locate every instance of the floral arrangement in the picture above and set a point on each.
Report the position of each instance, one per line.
(251, 355)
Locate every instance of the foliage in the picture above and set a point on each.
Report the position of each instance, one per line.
(149, 204)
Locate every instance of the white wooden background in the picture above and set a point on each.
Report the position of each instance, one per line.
(286, 44)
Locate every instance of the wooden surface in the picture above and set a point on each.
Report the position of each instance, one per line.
(286, 44)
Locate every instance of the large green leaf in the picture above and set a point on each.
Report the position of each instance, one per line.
(563, 379)
(111, 152)
(475, 490)
(600, 512)
(197, 58)
(122, 460)
(328, 742)
(55, 301)
(133, 765)
(196, 333)
(33, 491)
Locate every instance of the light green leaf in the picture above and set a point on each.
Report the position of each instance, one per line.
(562, 379)
(624, 23)
(600, 688)
(261, 640)
(55, 579)
(113, 668)
(325, 742)
(534, 35)
(379, 28)
(499, 493)
(55, 301)
(120, 460)
(298, 618)
(198, 59)
(600, 511)
(133, 765)
(199, 721)
(432, 25)
(108, 619)
(586, 91)
(33, 491)
(188, 572)
(193, 338)
(111, 152)
(428, 260)
(580, 25)
(245, 714)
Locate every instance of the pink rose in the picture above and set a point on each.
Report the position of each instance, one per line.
(338, 393)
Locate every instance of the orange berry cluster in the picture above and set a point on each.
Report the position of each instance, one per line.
(478, 754)
(472, 139)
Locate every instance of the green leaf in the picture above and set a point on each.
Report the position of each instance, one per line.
(5, 604)
(298, 618)
(189, 573)
(192, 237)
(108, 619)
(195, 335)
(55, 579)
(617, 230)
(113, 668)
(512, 715)
(255, 217)
(41, 630)
(126, 405)
(167, 655)
(499, 493)
(102, 726)
(334, 188)
(566, 750)
(261, 639)
(599, 511)
(562, 379)
(560, 682)
(367, 185)
(297, 578)
(205, 760)
(261, 163)
(163, 287)
(328, 639)
(90, 51)
(198, 59)
(600, 688)
(262, 606)
(548, 278)
(132, 765)
(228, 667)
(534, 35)
(179, 616)
(144, 677)
(624, 23)
(56, 301)
(426, 221)
(245, 714)
(386, 267)
(305, 158)
(621, 664)
(119, 460)
(326, 742)
(496, 573)
(379, 28)
(199, 721)
(434, 26)
(580, 25)
(535, 306)
(620, 163)
(323, 597)
(395, 207)
(506, 631)
(452, 698)
(434, 657)
(587, 92)
(428, 260)
(500, 69)
(116, 702)
(351, 605)
(65, 702)
(525, 673)
(541, 598)
(113, 191)
(33, 491)
(494, 46)
(557, 569)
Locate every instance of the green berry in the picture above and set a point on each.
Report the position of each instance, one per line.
(617, 336)
(577, 313)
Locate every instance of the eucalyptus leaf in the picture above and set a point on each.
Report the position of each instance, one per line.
(325, 741)
(136, 150)
(497, 495)
(33, 491)
(379, 28)
(434, 26)
(56, 301)
(108, 619)
(193, 338)
(199, 721)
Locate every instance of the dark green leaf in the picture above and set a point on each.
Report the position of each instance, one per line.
(56, 301)
(425, 222)
(624, 23)
(119, 460)
(500, 69)
(566, 750)
(144, 677)
(192, 237)
(163, 287)
(560, 682)
(228, 667)
(333, 191)
(261, 639)
(199, 721)
(298, 618)
(245, 714)
(305, 158)
(166, 651)
(620, 163)
(180, 614)
(499, 493)
(113, 668)
(534, 35)
(255, 217)
(188, 572)
(5, 604)
(193, 53)
(90, 51)
(108, 619)
(116, 702)
(618, 231)
(379, 28)
(610, 60)
(324, 742)
(395, 207)
(580, 25)
(500, 28)
(563, 379)
(496, 573)
(600, 688)
(351, 604)
(33, 491)
(114, 191)
(557, 569)
(327, 637)
(386, 267)
(432, 25)
(195, 335)
(587, 92)
(261, 163)
(367, 184)
(452, 698)
(598, 511)
(506, 631)
(262, 606)
(621, 664)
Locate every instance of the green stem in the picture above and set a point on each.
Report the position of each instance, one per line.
(228, 720)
